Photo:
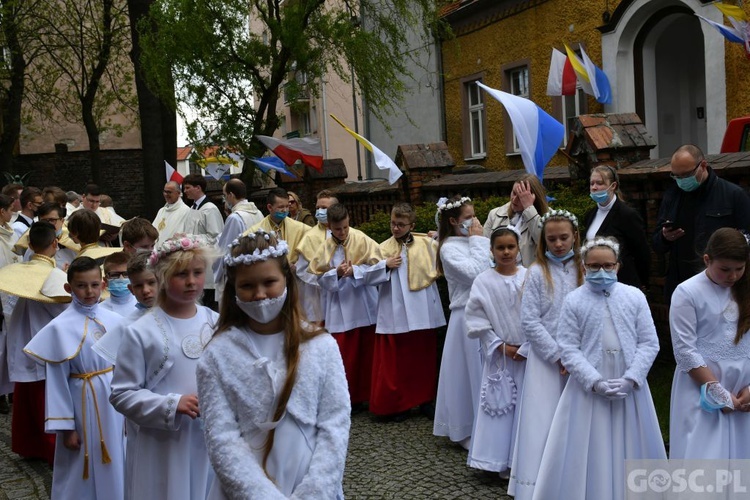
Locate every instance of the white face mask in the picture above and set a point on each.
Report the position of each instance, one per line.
(263, 311)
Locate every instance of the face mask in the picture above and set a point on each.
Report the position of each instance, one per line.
(58, 233)
(688, 184)
(280, 215)
(86, 310)
(263, 311)
(601, 279)
(321, 215)
(118, 287)
(600, 196)
(554, 257)
(464, 227)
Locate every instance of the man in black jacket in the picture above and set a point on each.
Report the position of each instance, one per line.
(699, 204)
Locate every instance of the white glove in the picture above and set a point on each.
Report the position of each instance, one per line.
(620, 387)
(601, 388)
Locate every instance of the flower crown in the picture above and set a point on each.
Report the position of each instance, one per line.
(178, 243)
(509, 227)
(444, 205)
(601, 242)
(258, 255)
(559, 213)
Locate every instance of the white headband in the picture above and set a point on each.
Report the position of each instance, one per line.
(559, 213)
(443, 204)
(600, 242)
(258, 255)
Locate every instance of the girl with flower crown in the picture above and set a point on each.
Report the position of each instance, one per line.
(605, 415)
(555, 273)
(272, 386)
(463, 253)
(154, 384)
(493, 315)
(709, 319)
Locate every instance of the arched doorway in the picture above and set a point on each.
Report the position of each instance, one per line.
(669, 55)
(668, 66)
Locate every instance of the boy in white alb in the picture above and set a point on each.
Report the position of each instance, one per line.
(120, 300)
(404, 371)
(89, 450)
(351, 304)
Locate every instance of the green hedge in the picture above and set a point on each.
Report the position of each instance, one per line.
(574, 197)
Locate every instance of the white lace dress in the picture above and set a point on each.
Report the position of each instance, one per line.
(703, 320)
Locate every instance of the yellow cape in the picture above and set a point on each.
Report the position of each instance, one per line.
(291, 232)
(358, 248)
(38, 280)
(421, 259)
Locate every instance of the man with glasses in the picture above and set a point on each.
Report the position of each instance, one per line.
(31, 200)
(173, 217)
(693, 208)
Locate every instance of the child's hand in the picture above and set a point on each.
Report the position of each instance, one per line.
(188, 405)
(393, 262)
(511, 351)
(344, 269)
(563, 371)
(476, 228)
(71, 440)
(743, 400)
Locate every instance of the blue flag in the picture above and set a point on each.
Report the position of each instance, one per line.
(267, 163)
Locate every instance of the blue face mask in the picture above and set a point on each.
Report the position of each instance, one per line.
(601, 279)
(688, 184)
(600, 196)
(58, 233)
(464, 227)
(554, 257)
(118, 287)
(321, 215)
(280, 215)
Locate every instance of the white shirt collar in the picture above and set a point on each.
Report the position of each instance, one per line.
(608, 206)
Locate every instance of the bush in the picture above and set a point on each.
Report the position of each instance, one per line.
(574, 198)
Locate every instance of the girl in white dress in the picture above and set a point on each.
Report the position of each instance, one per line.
(556, 272)
(154, 383)
(709, 319)
(493, 315)
(462, 255)
(272, 386)
(605, 415)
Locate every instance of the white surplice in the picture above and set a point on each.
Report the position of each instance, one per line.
(463, 259)
(703, 321)
(77, 398)
(240, 377)
(156, 362)
(493, 315)
(171, 219)
(543, 384)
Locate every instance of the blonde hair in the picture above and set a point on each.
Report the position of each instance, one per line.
(541, 249)
(296, 329)
(172, 264)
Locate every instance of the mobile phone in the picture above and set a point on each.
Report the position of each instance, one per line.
(668, 225)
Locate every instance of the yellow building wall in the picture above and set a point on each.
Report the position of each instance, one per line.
(738, 77)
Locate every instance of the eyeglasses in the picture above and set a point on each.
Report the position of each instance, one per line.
(688, 174)
(52, 220)
(399, 225)
(609, 266)
(114, 276)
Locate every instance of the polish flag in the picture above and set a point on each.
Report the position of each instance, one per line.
(304, 149)
(562, 76)
(172, 174)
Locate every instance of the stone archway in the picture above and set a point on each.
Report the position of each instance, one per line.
(665, 64)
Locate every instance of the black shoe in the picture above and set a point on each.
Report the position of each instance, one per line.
(428, 410)
(4, 406)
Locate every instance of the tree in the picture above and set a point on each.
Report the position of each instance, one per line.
(20, 47)
(84, 45)
(232, 75)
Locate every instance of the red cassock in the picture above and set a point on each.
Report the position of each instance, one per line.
(356, 348)
(28, 437)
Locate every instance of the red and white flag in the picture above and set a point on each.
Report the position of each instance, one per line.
(305, 149)
(562, 76)
(172, 174)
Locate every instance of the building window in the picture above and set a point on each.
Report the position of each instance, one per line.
(474, 119)
(571, 107)
(516, 80)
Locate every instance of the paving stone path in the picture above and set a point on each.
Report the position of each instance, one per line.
(386, 460)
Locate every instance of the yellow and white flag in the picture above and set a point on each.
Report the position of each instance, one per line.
(382, 160)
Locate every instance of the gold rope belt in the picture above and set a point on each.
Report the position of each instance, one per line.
(86, 377)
